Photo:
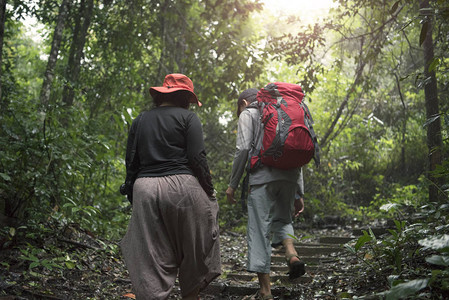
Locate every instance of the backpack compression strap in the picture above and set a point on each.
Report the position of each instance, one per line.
(308, 120)
(278, 142)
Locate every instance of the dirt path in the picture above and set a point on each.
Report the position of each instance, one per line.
(79, 266)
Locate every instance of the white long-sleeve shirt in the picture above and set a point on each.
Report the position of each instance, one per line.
(248, 134)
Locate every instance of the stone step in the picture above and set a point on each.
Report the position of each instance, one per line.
(311, 244)
(276, 268)
(309, 268)
(274, 278)
(314, 260)
(335, 240)
(312, 250)
(224, 289)
(317, 256)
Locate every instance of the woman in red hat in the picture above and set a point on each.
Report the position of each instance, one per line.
(174, 227)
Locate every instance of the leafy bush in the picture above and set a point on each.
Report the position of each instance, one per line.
(413, 258)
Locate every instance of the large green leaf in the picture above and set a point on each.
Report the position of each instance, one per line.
(438, 260)
(440, 243)
(403, 290)
(362, 241)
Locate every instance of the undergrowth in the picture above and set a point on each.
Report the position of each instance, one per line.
(413, 257)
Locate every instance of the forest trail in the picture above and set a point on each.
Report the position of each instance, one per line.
(331, 271)
(319, 256)
(99, 273)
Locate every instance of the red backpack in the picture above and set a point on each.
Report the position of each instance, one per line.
(289, 140)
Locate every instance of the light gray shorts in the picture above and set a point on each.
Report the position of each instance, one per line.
(269, 221)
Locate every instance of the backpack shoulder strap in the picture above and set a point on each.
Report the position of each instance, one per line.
(251, 153)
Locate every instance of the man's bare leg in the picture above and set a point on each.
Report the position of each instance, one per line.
(295, 266)
(264, 282)
(290, 250)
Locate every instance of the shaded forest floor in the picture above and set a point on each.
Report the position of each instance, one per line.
(71, 263)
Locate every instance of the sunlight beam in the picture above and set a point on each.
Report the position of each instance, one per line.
(298, 6)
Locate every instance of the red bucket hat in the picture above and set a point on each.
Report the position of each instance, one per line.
(176, 82)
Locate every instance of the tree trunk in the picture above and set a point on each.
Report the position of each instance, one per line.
(76, 50)
(377, 38)
(163, 35)
(434, 142)
(2, 33)
(403, 166)
(357, 79)
(57, 37)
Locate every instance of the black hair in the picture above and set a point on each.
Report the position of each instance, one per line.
(249, 95)
(178, 98)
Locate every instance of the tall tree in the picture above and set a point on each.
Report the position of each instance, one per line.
(82, 23)
(357, 75)
(363, 28)
(434, 141)
(371, 43)
(53, 57)
(2, 33)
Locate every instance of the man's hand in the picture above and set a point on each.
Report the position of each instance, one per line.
(230, 195)
(299, 206)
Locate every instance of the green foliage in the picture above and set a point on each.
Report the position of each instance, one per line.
(414, 256)
(67, 162)
(42, 255)
(370, 124)
(406, 289)
(397, 200)
(20, 140)
(232, 217)
(361, 69)
(31, 255)
(66, 170)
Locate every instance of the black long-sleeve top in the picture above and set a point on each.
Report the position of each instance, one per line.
(169, 141)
